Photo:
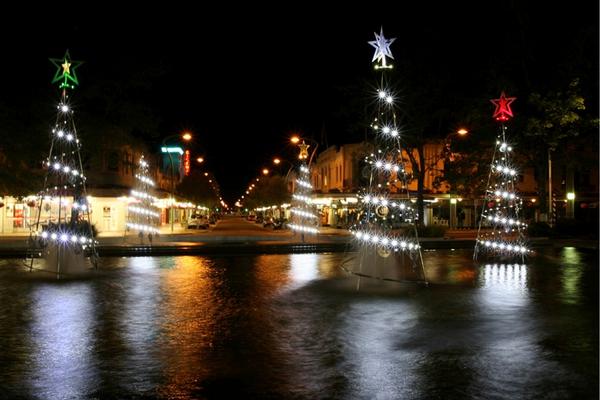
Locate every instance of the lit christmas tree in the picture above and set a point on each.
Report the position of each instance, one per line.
(143, 216)
(66, 229)
(504, 233)
(304, 214)
(386, 225)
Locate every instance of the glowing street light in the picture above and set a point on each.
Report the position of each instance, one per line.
(462, 131)
(570, 205)
(168, 150)
(200, 160)
(295, 139)
(265, 171)
(276, 161)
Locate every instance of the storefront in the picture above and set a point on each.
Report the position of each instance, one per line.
(108, 214)
(336, 212)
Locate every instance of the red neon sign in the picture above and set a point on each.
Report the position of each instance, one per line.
(186, 162)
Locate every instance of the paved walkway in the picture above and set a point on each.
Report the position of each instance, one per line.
(237, 233)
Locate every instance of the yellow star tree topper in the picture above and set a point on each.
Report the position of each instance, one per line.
(303, 150)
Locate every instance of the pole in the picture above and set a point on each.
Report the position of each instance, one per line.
(312, 154)
(550, 216)
(570, 186)
(172, 192)
(164, 144)
(452, 216)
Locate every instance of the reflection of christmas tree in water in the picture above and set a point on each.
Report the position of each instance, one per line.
(304, 216)
(501, 232)
(143, 217)
(63, 226)
(386, 225)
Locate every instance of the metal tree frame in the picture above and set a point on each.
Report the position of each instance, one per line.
(64, 176)
(501, 203)
(375, 231)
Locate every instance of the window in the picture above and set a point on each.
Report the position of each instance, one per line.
(126, 165)
(112, 161)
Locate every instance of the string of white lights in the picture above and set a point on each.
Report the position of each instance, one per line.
(303, 198)
(145, 179)
(388, 241)
(65, 237)
(142, 195)
(302, 228)
(142, 227)
(303, 213)
(304, 183)
(143, 211)
(56, 166)
(504, 246)
(503, 169)
(504, 194)
(83, 207)
(372, 199)
(386, 165)
(504, 220)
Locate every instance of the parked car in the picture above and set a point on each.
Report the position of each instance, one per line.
(198, 221)
(212, 219)
(268, 222)
(275, 223)
(251, 217)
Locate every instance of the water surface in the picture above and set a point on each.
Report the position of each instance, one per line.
(294, 326)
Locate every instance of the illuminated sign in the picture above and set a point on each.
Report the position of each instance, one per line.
(171, 150)
(186, 162)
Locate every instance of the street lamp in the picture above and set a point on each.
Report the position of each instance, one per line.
(570, 204)
(448, 140)
(186, 137)
(265, 171)
(200, 160)
(448, 152)
(277, 161)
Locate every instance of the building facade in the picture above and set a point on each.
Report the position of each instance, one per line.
(110, 171)
(339, 172)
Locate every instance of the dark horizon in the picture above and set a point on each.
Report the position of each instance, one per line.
(242, 86)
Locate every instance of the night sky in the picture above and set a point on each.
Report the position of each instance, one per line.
(243, 79)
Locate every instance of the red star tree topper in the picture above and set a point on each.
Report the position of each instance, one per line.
(503, 111)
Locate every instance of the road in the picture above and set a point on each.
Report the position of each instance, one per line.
(230, 225)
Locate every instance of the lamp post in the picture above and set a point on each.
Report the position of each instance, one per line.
(277, 161)
(570, 205)
(452, 200)
(186, 136)
(550, 207)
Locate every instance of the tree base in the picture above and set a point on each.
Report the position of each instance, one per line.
(64, 260)
(376, 263)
